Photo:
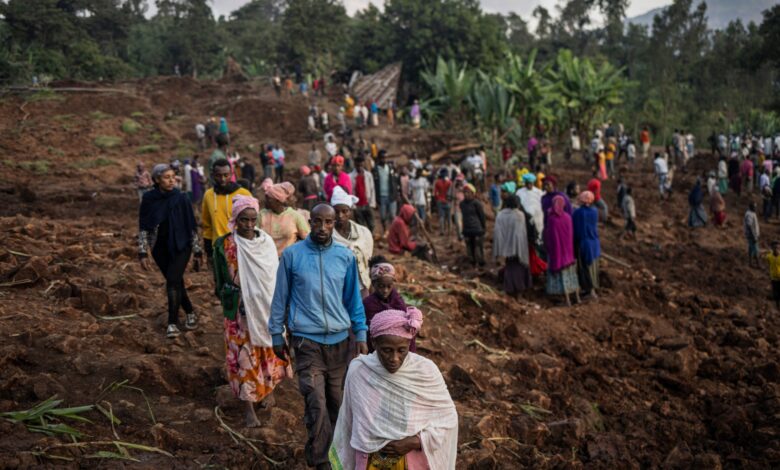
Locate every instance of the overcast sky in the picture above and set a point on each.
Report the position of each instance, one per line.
(521, 7)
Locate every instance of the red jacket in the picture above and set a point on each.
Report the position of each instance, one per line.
(399, 238)
(594, 186)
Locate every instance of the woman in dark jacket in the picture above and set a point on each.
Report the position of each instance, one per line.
(473, 225)
(167, 224)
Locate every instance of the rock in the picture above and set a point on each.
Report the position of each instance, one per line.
(95, 301)
(707, 462)
(166, 438)
(528, 367)
(540, 399)
(567, 432)
(460, 375)
(493, 322)
(59, 290)
(529, 431)
(682, 361)
(672, 343)
(486, 426)
(679, 458)
(73, 253)
(203, 351)
(202, 415)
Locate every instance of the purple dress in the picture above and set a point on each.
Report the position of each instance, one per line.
(373, 305)
(197, 186)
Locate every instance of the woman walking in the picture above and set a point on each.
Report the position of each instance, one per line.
(166, 222)
(559, 241)
(510, 241)
(697, 217)
(587, 245)
(245, 264)
(284, 224)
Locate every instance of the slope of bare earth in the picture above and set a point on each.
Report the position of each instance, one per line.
(674, 366)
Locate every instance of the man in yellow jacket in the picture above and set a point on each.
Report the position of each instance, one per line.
(218, 204)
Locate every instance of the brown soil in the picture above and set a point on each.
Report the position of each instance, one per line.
(674, 366)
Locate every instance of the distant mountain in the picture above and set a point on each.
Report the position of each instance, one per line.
(719, 12)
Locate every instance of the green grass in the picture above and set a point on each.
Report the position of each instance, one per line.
(184, 149)
(107, 141)
(45, 95)
(55, 151)
(36, 166)
(156, 137)
(147, 149)
(137, 114)
(99, 115)
(94, 163)
(130, 126)
(64, 117)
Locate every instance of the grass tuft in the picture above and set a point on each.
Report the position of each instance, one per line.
(99, 115)
(107, 141)
(153, 148)
(130, 126)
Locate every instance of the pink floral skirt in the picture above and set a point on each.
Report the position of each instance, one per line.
(252, 371)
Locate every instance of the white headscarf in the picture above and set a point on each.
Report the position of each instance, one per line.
(340, 196)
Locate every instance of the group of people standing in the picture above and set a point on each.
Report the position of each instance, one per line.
(297, 299)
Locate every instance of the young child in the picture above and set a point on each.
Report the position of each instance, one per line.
(773, 258)
(384, 296)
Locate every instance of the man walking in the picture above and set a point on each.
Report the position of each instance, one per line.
(322, 304)
(386, 184)
(363, 188)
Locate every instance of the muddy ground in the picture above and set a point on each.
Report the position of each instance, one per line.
(674, 366)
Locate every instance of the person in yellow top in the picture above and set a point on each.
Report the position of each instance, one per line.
(218, 205)
(519, 175)
(773, 258)
(349, 105)
(610, 156)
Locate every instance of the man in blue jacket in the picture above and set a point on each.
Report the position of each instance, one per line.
(317, 297)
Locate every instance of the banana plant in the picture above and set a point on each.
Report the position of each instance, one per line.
(534, 95)
(450, 84)
(493, 108)
(585, 92)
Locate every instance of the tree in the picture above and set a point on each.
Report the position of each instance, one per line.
(314, 34)
(252, 34)
(369, 48)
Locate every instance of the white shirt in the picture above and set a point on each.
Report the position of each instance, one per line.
(416, 163)
(661, 167)
(331, 148)
(200, 131)
(419, 186)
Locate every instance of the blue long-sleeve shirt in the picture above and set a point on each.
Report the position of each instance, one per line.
(317, 294)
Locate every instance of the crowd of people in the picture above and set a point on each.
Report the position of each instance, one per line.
(304, 294)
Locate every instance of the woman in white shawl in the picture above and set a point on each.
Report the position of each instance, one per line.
(397, 413)
(510, 241)
(245, 264)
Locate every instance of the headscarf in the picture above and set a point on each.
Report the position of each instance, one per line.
(266, 185)
(382, 270)
(281, 192)
(174, 206)
(305, 170)
(397, 323)
(510, 187)
(340, 197)
(159, 169)
(552, 180)
(241, 203)
(586, 197)
(337, 160)
(558, 203)
(529, 178)
(471, 188)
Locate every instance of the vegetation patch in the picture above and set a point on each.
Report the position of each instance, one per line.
(94, 163)
(147, 149)
(130, 126)
(137, 114)
(64, 117)
(45, 95)
(36, 166)
(107, 141)
(99, 115)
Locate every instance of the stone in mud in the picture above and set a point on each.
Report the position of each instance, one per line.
(679, 458)
(166, 438)
(461, 376)
(567, 432)
(95, 301)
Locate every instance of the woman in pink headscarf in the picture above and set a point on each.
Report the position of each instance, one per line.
(559, 243)
(285, 225)
(245, 265)
(396, 412)
(336, 177)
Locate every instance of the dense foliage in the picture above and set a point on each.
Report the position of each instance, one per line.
(676, 74)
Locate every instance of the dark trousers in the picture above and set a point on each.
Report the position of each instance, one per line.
(268, 172)
(279, 174)
(321, 369)
(364, 215)
(172, 266)
(475, 245)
